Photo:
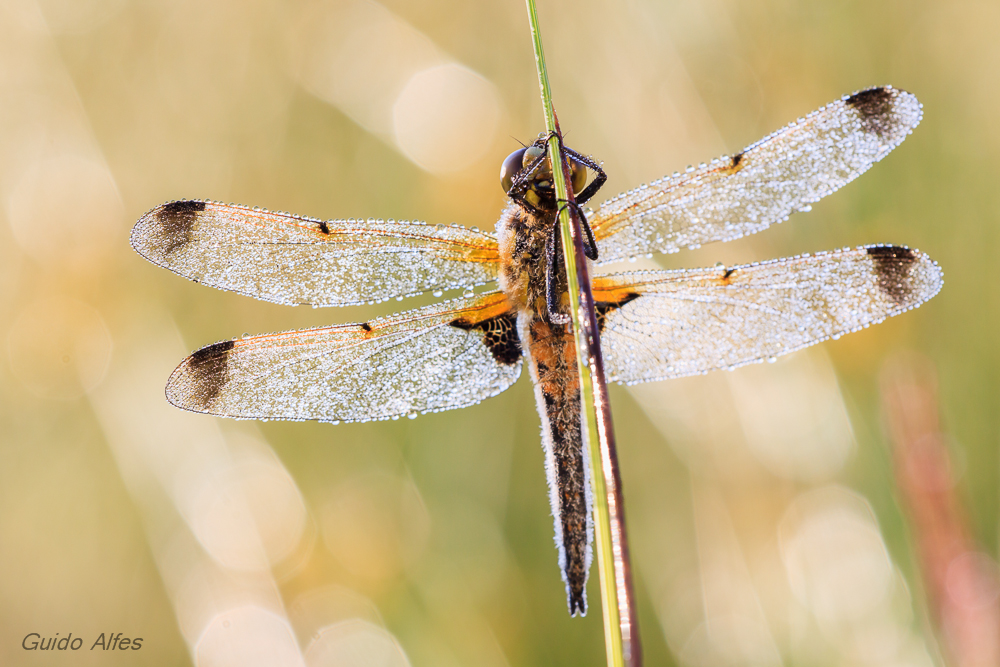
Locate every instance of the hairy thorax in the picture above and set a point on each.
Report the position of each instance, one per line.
(521, 238)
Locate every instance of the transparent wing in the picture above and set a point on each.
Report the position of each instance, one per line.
(444, 356)
(293, 260)
(664, 324)
(744, 194)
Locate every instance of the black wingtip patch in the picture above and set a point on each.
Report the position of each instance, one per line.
(602, 308)
(892, 271)
(323, 227)
(499, 336)
(365, 327)
(875, 107)
(176, 220)
(207, 373)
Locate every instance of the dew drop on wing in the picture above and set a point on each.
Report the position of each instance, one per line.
(437, 293)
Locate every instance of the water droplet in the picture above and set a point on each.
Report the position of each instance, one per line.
(771, 360)
(335, 422)
(806, 209)
(395, 418)
(437, 292)
(467, 292)
(411, 415)
(246, 334)
(399, 298)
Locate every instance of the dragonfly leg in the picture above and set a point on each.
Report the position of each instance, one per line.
(584, 196)
(589, 244)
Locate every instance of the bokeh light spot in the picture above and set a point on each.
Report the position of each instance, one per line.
(375, 525)
(446, 118)
(835, 559)
(64, 206)
(355, 643)
(59, 348)
(248, 637)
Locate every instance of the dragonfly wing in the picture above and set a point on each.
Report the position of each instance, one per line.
(294, 260)
(444, 356)
(747, 192)
(665, 324)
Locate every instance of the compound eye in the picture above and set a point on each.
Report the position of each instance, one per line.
(509, 169)
(579, 175)
(532, 153)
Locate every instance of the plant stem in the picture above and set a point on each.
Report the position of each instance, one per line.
(617, 591)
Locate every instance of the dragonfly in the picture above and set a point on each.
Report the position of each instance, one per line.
(653, 325)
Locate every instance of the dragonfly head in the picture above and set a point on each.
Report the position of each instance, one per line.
(530, 168)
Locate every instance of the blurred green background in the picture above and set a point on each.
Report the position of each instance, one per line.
(764, 522)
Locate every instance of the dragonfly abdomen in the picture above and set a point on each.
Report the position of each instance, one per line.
(552, 362)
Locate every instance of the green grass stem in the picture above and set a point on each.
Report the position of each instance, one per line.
(617, 597)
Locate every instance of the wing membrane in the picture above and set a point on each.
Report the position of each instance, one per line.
(293, 260)
(445, 356)
(744, 194)
(665, 324)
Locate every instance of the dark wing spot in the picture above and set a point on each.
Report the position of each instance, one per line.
(892, 271)
(736, 163)
(176, 220)
(323, 227)
(499, 336)
(728, 273)
(207, 373)
(602, 308)
(875, 107)
(365, 326)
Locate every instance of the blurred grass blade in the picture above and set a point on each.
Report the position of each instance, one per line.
(617, 591)
(960, 579)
